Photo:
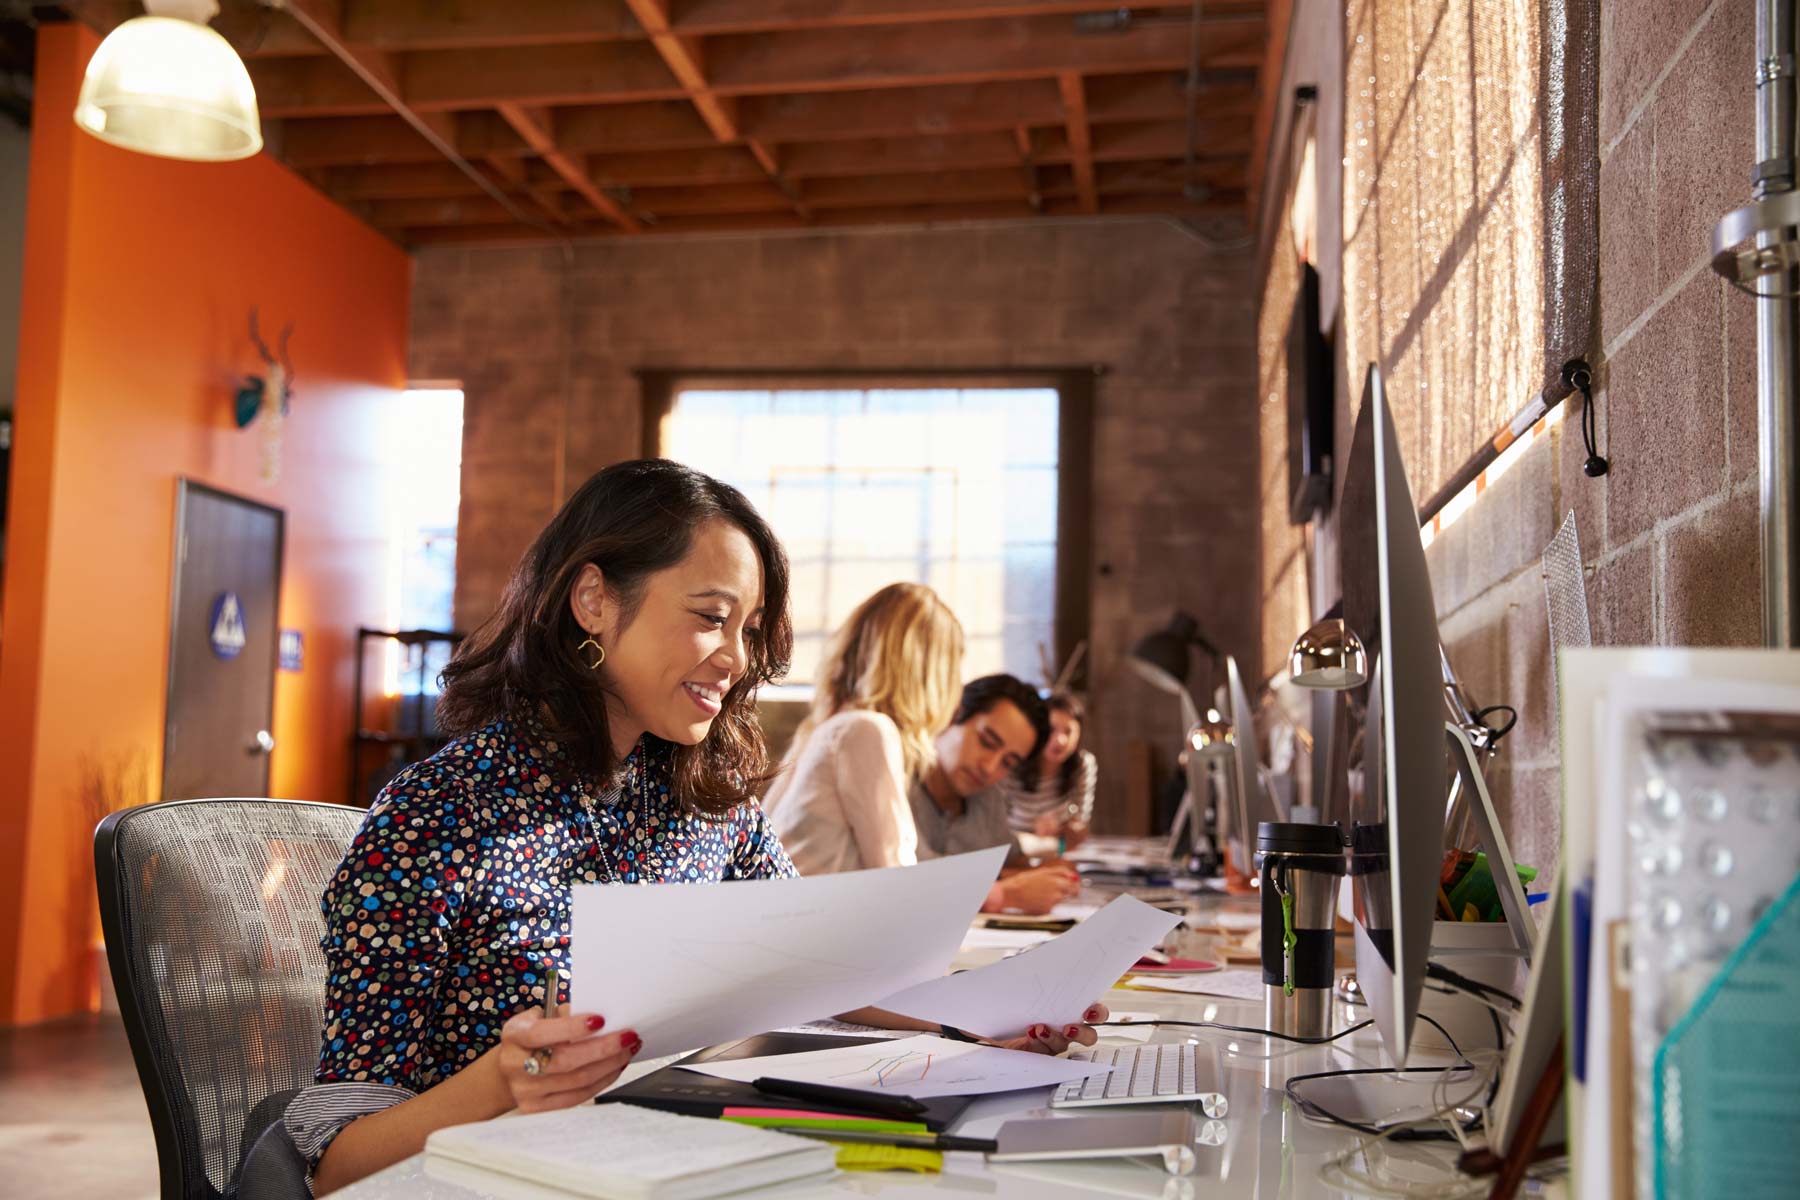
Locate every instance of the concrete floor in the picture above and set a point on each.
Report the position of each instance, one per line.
(72, 1120)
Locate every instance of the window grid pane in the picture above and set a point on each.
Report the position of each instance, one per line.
(952, 487)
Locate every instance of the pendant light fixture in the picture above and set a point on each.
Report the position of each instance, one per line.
(167, 84)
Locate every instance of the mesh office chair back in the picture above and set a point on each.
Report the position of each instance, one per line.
(211, 915)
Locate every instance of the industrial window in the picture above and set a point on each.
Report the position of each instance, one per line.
(952, 486)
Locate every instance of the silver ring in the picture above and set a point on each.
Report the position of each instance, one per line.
(536, 1061)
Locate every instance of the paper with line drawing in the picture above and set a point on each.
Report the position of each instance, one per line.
(920, 1067)
(1052, 983)
(688, 965)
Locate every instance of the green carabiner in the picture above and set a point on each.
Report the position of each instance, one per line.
(1289, 939)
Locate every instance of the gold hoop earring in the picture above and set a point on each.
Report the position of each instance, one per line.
(595, 665)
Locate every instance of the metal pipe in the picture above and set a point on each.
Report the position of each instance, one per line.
(1777, 323)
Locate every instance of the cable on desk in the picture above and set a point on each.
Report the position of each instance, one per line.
(1246, 1029)
(1400, 1130)
(1473, 986)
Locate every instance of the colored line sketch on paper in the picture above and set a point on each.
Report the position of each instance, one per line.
(891, 1069)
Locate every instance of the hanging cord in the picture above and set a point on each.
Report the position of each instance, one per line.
(1578, 375)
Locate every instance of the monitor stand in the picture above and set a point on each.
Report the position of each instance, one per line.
(1492, 840)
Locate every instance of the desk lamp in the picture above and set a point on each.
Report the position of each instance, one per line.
(1161, 659)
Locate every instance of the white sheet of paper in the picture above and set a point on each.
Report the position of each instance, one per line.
(1236, 984)
(1004, 939)
(687, 965)
(920, 1067)
(1051, 984)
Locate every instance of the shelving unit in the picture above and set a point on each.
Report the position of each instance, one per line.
(411, 734)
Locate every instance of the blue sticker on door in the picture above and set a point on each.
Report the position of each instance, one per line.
(226, 626)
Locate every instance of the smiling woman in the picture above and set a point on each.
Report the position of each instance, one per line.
(603, 732)
(654, 602)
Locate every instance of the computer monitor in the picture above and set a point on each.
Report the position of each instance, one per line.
(1400, 850)
(1253, 803)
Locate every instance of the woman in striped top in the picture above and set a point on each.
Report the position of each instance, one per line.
(1053, 795)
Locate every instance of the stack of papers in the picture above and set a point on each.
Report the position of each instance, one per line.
(622, 1152)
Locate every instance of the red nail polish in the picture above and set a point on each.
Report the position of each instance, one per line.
(1040, 1032)
(632, 1043)
(596, 1024)
(1071, 1031)
(1092, 1014)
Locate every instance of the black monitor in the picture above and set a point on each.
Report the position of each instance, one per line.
(1310, 411)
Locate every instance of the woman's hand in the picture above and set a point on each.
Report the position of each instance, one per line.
(1049, 1039)
(1074, 833)
(578, 1065)
(1037, 890)
(1047, 824)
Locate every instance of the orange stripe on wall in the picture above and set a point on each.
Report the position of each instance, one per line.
(139, 277)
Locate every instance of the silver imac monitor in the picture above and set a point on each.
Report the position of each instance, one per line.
(1399, 842)
(1254, 802)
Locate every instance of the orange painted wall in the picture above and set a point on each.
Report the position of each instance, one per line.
(139, 276)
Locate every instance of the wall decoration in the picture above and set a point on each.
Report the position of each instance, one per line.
(267, 397)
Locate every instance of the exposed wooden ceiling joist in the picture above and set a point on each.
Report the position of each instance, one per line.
(469, 119)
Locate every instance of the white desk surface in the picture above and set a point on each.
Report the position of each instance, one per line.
(1268, 1149)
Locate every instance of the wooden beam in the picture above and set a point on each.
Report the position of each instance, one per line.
(1268, 95)
(769, 16)
(352, 141)
(1159, 96)
(683, 57)
(1169, 176)
(900, 112)
(717, 198)
(594, 73)
(811, 61)
(1162, 139)
(470, 210)
(1081, 146)
(511, 174)
(677, 168)
(397, 181)
(533, 125)
(376, 69)
(886, 191)
(318, 86)
(656, 125)
(981, 51)
(454, 24)
(893, 155)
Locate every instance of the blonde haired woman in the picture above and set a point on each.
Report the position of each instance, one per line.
(890, 682)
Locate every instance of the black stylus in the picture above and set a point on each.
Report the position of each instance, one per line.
(869, 1137)
(899, 1107)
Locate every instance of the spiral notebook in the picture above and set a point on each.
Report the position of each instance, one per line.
(622, 1152)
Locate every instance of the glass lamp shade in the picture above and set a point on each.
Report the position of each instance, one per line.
(172, 88)
(1329, 656)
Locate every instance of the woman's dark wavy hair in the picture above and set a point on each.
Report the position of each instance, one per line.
(631, 520)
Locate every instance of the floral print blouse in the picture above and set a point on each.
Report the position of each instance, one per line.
(454, 899)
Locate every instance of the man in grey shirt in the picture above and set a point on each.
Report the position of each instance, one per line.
(1000, 724)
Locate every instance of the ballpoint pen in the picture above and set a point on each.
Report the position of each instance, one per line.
(540, 1058)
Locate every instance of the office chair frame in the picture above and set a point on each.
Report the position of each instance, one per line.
(181, 1166)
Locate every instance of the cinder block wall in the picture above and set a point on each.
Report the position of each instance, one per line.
(1670, 535)
(545, 345)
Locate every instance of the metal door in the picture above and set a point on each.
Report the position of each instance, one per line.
(222, 645)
